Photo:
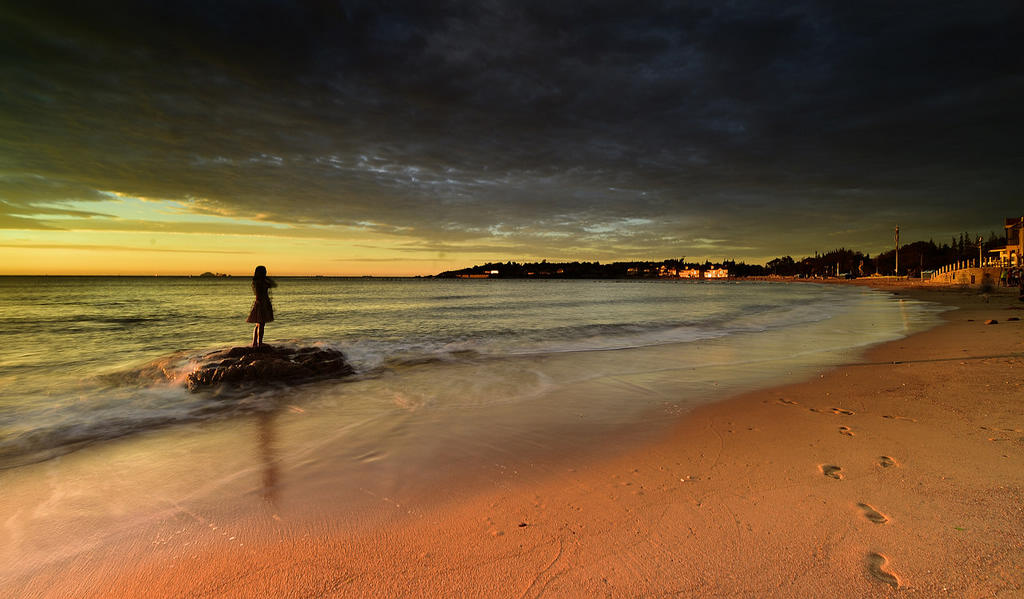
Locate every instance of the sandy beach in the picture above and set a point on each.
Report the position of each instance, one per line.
(901, 474)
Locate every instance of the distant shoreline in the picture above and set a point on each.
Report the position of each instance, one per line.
(882, 282)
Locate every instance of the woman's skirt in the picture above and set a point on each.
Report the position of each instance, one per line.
(261, 312)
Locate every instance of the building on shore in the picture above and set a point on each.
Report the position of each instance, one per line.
(1012, 254)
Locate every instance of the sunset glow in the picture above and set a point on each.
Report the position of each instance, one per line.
(131, 236)
(515, 298)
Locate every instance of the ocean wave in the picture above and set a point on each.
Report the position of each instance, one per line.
(30, 435)
(369, 355)
(19, 448)
(55, 402)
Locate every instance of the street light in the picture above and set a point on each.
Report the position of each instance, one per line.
(897, 250)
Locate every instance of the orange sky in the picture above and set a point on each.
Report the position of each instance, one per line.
(130, 236)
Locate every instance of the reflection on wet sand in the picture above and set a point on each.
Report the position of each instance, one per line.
(265, 440)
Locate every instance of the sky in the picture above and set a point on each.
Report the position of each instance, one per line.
(407, 138)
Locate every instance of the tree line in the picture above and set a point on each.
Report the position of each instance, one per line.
(913, 258)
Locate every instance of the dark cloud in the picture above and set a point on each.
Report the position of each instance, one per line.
(542, 126)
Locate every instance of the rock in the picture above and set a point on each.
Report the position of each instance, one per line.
(267, 364)
(991, 321)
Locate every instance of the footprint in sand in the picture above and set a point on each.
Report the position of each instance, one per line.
(878, 566)
(831, 471)
(842, 412)
(787, 402)
(886, 462)
(493, 529)
(872, 514)
(899, 418)
(1002, 430)
(845, 430)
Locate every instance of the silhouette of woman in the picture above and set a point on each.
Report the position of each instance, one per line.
(262, 310)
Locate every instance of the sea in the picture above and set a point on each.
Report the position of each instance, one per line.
(445, 369)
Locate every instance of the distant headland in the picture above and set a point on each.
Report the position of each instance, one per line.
(917, 259)
(591, 270)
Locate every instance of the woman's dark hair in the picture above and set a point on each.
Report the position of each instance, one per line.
(261, 272)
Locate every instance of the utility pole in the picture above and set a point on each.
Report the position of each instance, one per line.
(897, 250)
(979, 251)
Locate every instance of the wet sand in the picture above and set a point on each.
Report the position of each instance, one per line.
(901, 474)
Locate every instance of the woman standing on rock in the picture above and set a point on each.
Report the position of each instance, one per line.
(262, 311)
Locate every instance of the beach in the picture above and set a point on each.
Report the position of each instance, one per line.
(346, 299)
(897, 474)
